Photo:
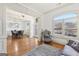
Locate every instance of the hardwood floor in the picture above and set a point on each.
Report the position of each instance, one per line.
(17, 47)
(20, 46)
(54, 44)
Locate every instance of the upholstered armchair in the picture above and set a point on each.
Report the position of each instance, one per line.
(46, 36)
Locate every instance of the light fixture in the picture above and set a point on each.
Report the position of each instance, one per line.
(36, 20)
(23, 16)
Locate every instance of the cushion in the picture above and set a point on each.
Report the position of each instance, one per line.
(70, 51)
(74, 45)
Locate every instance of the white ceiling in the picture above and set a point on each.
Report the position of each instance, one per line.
(43, 7)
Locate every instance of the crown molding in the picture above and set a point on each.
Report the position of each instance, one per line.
(39, 13)
(29, 8)
(57, 8)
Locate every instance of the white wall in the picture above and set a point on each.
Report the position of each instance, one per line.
(47, 18)
(21, 9)
(16, 17)
(3, 35)
(0, 21)
(46, 22)
(3, 47)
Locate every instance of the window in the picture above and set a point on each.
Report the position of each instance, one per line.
(58, 27)
(66, 25)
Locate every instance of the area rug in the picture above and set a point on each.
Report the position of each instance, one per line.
(44, 50)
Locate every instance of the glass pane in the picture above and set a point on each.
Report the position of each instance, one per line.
(68, 15)
(58, 27)
(70, 27)
(68, 22)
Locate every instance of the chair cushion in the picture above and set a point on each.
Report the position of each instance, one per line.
(74, 45)
(68, 50)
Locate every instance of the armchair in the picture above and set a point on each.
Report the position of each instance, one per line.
(46, 36)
